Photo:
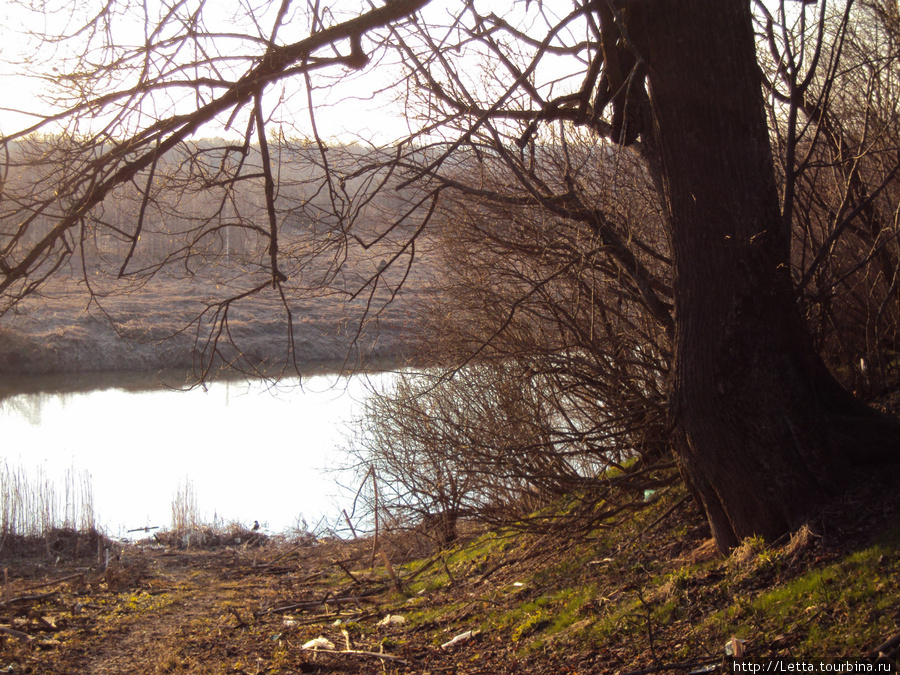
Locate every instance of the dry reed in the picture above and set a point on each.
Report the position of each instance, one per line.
(33, 504)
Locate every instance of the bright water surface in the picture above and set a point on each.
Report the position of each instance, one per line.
(250, 450)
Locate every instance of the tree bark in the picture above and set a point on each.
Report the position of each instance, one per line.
(763, 431)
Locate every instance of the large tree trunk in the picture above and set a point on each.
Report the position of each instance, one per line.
(763, 431)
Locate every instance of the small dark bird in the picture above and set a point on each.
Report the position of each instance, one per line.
(255, 525)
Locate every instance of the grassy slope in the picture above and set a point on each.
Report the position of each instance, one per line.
(647, 594)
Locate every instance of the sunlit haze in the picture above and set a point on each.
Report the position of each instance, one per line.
(349, 105)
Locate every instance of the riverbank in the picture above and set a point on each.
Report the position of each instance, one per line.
(650, 595)
(166, 325)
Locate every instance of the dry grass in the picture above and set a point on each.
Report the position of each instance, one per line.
(32, 504)
(166, 324)
(41, 516)
(185, 516)
(190, 530)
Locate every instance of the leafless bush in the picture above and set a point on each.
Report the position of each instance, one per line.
(495, 442)
(551, 340)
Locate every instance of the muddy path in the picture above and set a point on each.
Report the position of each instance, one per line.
(134, 616)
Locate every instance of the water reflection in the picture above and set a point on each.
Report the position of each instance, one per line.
(253, 451)
(27, 408)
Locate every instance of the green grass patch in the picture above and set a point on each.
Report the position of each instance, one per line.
(840, 609)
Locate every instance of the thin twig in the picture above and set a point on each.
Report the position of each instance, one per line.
(241, 623)
(53, 582)
(888, 647)
(19, 635)
(311, 604)
(29, 598)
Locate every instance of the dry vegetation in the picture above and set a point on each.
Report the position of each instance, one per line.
(165, 324)
(37, 512)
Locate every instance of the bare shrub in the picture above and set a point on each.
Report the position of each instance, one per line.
(551, 340)
(839, 164)
(495, 442)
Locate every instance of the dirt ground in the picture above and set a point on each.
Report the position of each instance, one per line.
(236, 610)
(649, 596)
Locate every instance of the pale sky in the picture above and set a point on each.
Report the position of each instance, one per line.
(20, 85)
(351, 107)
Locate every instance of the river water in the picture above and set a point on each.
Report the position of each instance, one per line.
(250, 450)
